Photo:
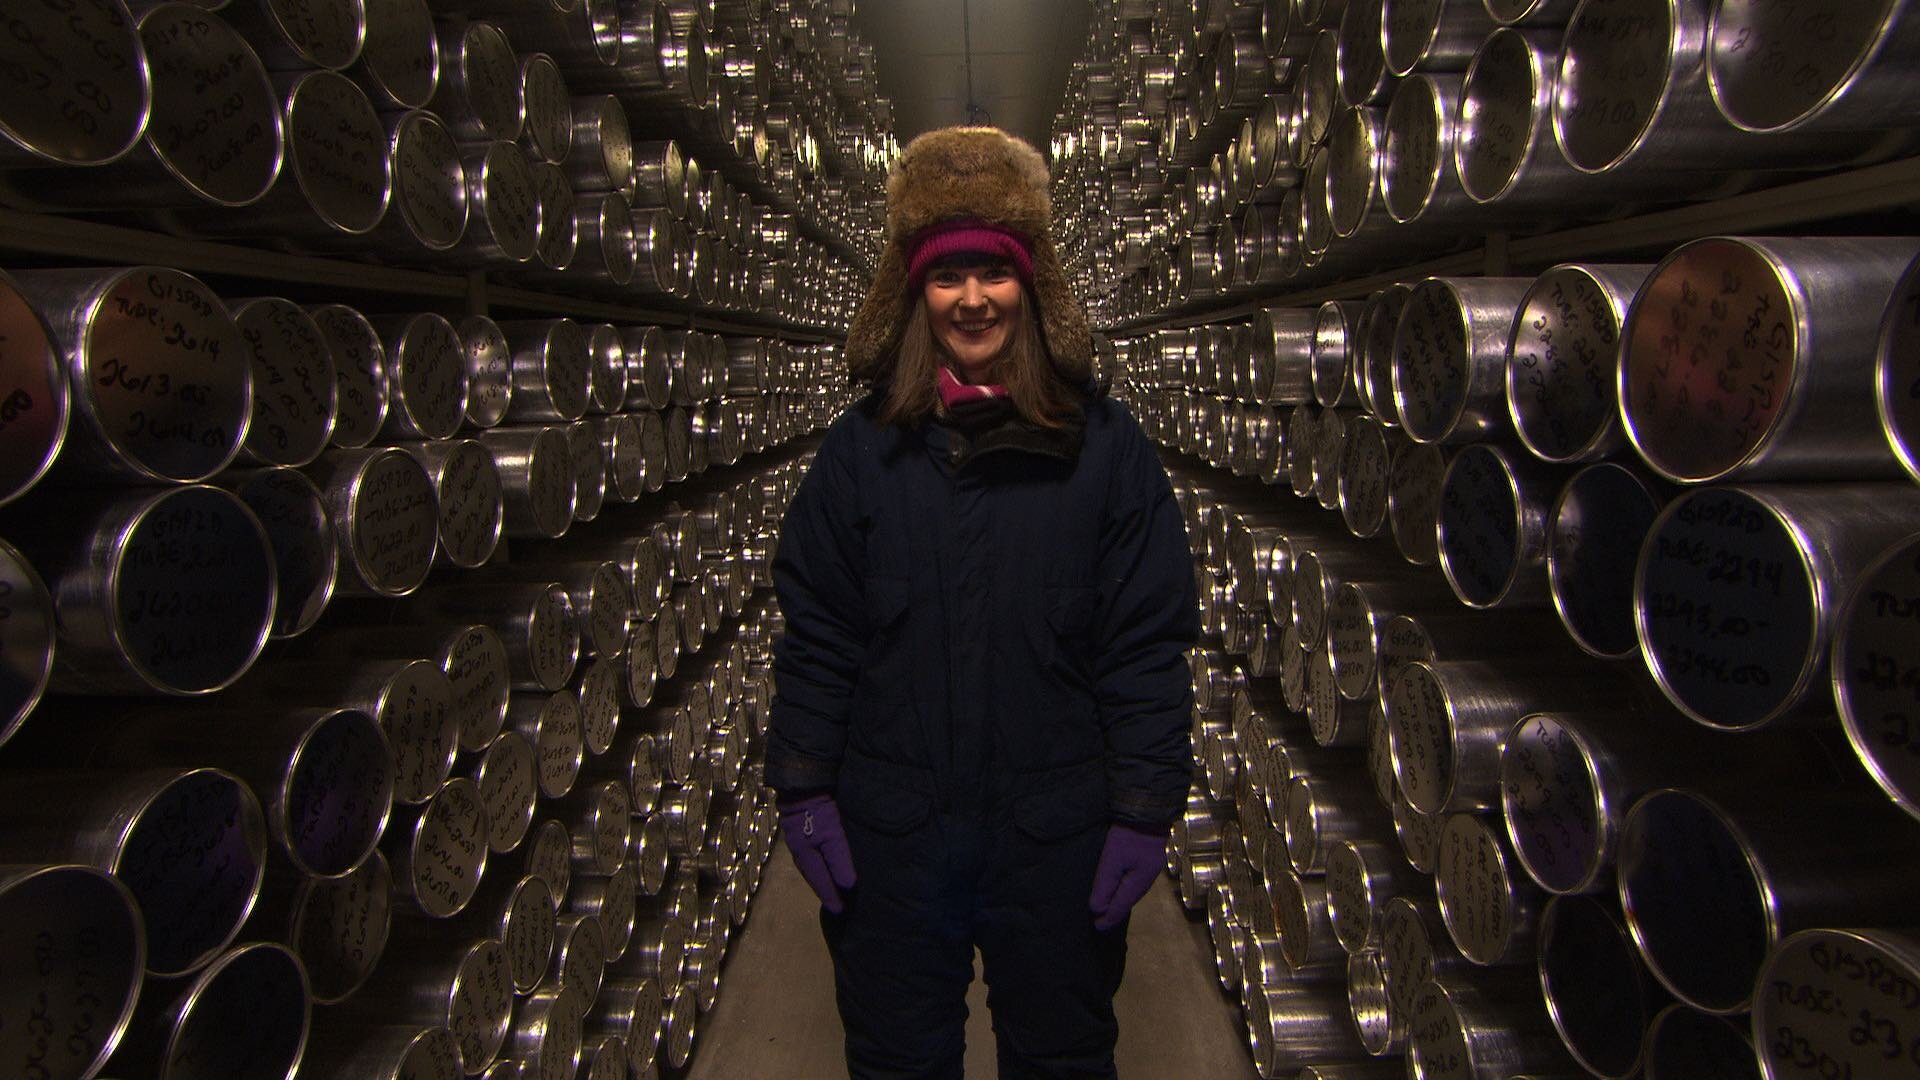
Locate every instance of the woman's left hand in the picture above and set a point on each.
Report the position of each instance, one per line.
(1129, 862)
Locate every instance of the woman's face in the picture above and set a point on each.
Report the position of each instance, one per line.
(974, 311)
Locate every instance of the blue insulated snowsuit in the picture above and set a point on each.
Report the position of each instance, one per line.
(983, 661)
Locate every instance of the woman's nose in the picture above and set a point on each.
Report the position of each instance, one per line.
(972, 293)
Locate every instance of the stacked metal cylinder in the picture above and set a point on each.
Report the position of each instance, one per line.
(1217, 150)
(1555, 714)
(384, 665)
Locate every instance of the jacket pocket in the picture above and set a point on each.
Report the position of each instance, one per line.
(884, 796)
(1059, 803)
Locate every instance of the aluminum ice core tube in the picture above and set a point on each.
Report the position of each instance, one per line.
(426, 376)
(1751, 358)
(1493, 527)
(1845, 66)
(506, 775)
(1490, 910)
(169, 591)
(73, 940)
(385, 515)
(1598, 525)
(1561, 356)
(189, 844)
(479, 89)
(469, 495)
(1449, 357)
(1737, 591)
(26, 640)
(295, 392)
(359, 368)
(340, 926)
(429, 212)
(214, 135)
(399, 66)
(1597, 994)
(1710, 885)
(1874, 668)
(162, 391)
(1839, 1002)
(81, 86)
(438, 858)
(244, 1015)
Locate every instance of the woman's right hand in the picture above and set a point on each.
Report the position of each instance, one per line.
(814, 835)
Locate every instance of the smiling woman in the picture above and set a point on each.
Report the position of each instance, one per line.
(980, 736)
(974, 311)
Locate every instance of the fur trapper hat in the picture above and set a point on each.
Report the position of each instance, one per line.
(980, 173)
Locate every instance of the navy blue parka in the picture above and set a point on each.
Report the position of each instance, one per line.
(985, 623)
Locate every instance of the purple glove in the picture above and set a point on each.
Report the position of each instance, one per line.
(1129, 863)
(819, 846)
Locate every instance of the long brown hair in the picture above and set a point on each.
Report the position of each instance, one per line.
(1025, 369)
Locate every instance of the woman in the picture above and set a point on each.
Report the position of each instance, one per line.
(980, 730)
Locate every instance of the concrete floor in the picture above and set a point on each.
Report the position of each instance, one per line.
(775, 1017)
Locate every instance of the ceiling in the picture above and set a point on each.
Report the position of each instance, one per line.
(1021, 53)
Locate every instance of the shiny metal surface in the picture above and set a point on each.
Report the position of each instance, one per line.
(1632, 92)
(247, 1013)
(549, 131)
(429, 211)
(1799, 1015)
(1418, 183)
(1449, 357)
(1844, 64)
(339, 928)
(189, 844)
(1490, 911)
(1432, 35)
(1710, 885)
(26, 640)
(1685, 1042)
(84, 930)
(552, 722)
(552, 359)
(506, 776)
(214, 132)
(1599, 523)
(1473, 1031)
(167, 591)
(295, 393)
(426, 376)
(360, 374)
(336, 176)
(536, 470)
(1493, 527)
(384, 513)
(479, 90)
(469, 497)
(55, 115)
(1872, 660)
(1760, 406)
(1770, 564)
(438, 858)
(150, 404)
(388, 1052)
(34, 395)
(1597, 995)
(399, 66)
(1561, 356)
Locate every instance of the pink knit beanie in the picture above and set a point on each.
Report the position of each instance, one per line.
(972, 236)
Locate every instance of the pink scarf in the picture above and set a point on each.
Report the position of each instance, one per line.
(953, 391)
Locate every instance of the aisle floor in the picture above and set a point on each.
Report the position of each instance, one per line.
(775, 1017)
